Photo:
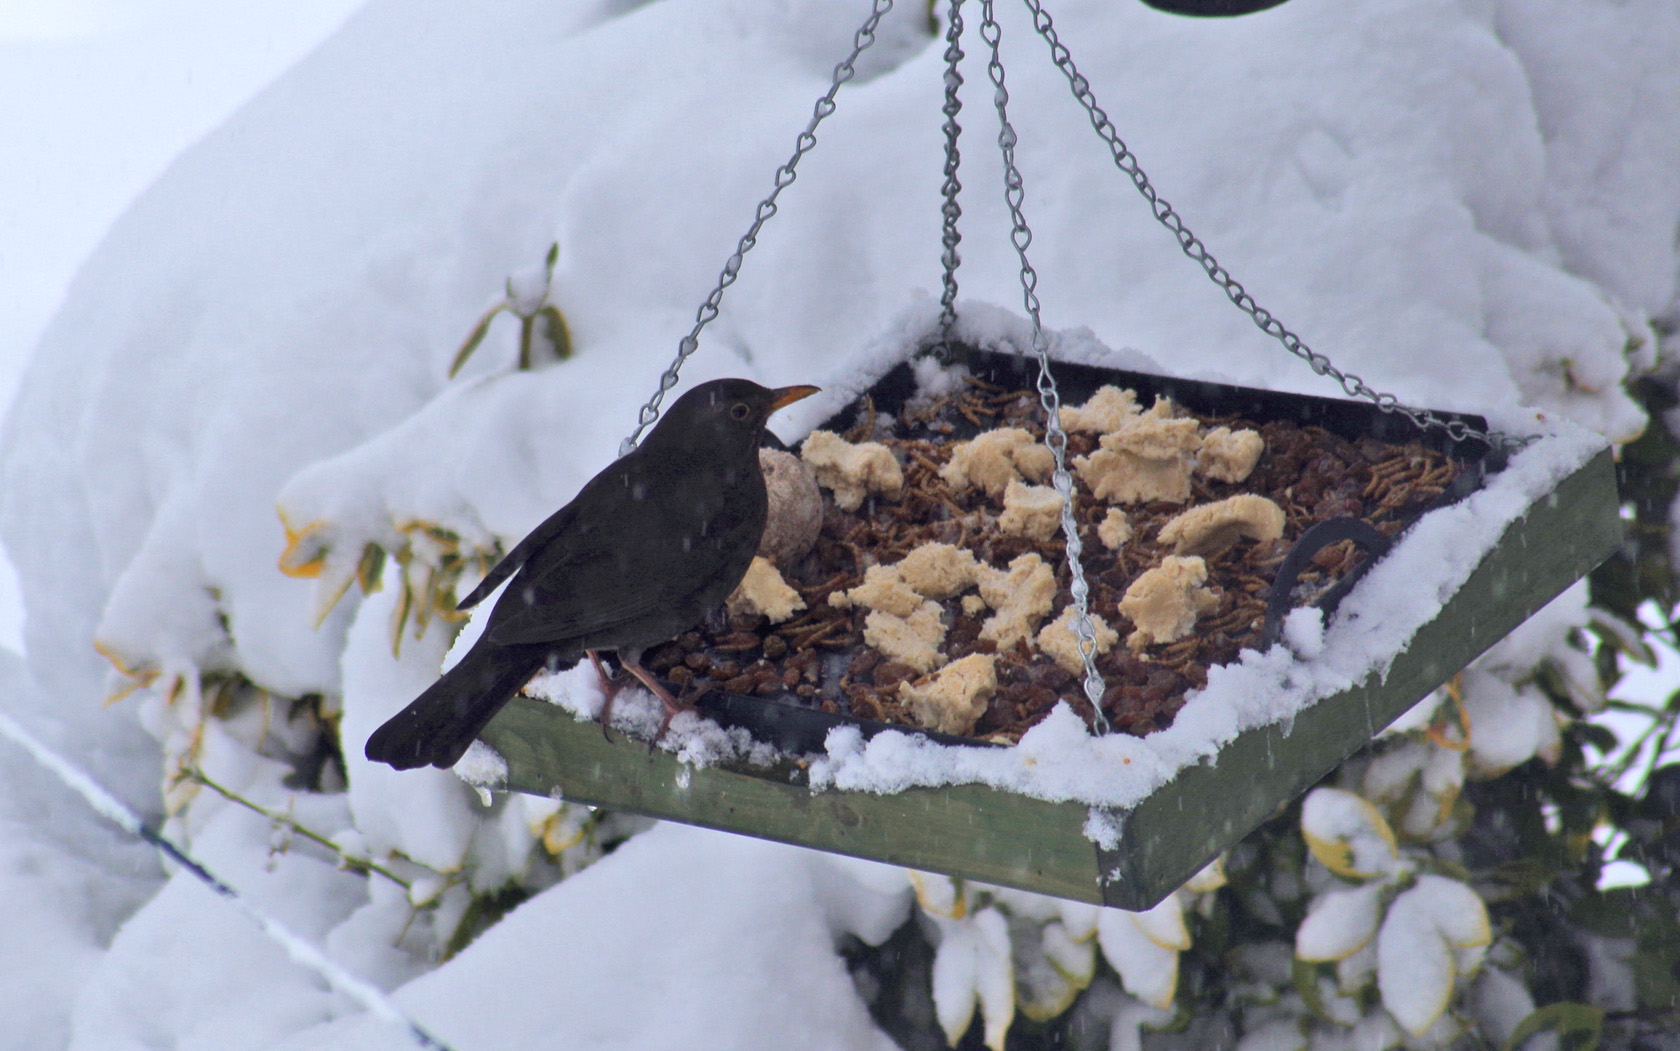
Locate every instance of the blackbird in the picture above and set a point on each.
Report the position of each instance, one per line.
(644, 551)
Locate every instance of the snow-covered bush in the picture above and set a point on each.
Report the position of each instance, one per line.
(241, 467)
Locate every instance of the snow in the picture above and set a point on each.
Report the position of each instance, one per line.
(430, 817)
(1468, 205)
(1339, 923)
(1500, 1004)
(202, 1005)
(1420, 948)
(131, 85)
(1420, 933)
(972, 971)
(1303, 630)
(1147, 965)
(665, 943)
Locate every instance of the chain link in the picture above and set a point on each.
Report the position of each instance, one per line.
(1054, 437)
(1192, 246)
(844, 71)
(950, 236)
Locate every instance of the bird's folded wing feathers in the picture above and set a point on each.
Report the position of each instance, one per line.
(593, 576)
(514, 560)
(584, 597)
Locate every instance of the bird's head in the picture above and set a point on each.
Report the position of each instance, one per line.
(723, 415)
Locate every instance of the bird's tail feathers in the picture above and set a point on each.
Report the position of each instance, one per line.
(438, 726)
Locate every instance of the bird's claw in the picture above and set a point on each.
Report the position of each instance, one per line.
(610, 685)
(684, 702)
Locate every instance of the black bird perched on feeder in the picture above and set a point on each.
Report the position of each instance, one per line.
(644, 551)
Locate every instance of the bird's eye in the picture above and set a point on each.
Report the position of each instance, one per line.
(740, 410)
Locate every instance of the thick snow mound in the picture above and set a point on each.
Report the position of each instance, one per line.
(1470, 206)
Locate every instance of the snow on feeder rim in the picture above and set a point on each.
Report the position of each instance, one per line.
(1116, 819)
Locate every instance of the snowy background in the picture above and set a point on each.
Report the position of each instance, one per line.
(1472, 204)
(96, 98)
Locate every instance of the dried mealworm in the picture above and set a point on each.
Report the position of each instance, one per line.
(810, 638)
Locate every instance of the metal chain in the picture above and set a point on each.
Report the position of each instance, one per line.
(784, 177)
(1054, 436)
(1192, 246)
(950, 237)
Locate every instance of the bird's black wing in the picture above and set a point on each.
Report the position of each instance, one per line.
(521, 553)
(624, 562)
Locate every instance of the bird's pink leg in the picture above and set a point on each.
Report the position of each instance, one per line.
(672, 704)
(609, 687)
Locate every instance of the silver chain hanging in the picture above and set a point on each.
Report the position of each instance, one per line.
(784, 177)
(1192, 246)
(1021, 237)
(1054, 436)
(951, 210)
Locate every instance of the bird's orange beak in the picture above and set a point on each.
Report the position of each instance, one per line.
(785, 396)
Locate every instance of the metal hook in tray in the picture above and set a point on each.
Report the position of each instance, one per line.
(1330, 531)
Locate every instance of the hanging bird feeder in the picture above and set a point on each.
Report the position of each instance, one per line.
(1255, 580)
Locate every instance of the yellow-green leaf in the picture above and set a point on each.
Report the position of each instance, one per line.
(371, 568)
(474, 338)
(1580, 1025)
(559, 334)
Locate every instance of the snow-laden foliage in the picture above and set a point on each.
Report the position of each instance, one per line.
(240, 467)
(999, 952)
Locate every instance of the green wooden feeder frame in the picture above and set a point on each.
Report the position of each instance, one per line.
(997, 836)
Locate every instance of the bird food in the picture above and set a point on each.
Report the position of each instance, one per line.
(936, 594)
